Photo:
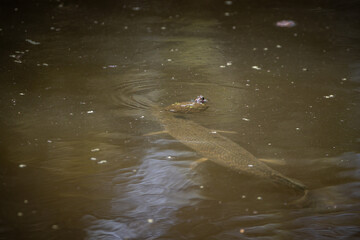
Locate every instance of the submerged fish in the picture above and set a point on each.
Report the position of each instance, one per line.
(220, 149)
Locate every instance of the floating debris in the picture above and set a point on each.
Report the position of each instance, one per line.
(329, 96)
(222, 66)
(22, 165)
(242, 231)
(93, 158)
(246, 119)
(250, 165)
(259, 198)
(102, 162)
(201, 186)
(169, 157)
(32, 42)
(285, 24)
(150, 220)
(21, 94)
(256, 67)
(90, 111)
(228, 63)
(95, 149)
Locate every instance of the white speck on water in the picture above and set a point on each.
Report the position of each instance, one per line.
(95, 149)
(134, 170)
(278, 46)
(32, 42)
(22, 165)
(246, 119)
(201, 186)
(233, 27)
(90, 111)
(228, 3)
(248, 85)
(222, 66)
(169, 60)
(17, 61)
(256, 67)
(16, 9)
(304, 69)
(20, 214)
(136, 8)
(298, 129)
(150, 220)
(169, 157)
(329, 96)
(102, 162)
(250, 165)
(343, 79)
(26, 201)
(265, 49)
(21, 94)
(255, 212)
(228, 63)
(213, 132)
(93, 158)
(269, 144)
(45, 64)
(112, 66)
(243, 196)
(227, 14)
(163, 28)
(259, 198)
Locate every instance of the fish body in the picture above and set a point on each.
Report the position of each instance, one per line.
(220, 149)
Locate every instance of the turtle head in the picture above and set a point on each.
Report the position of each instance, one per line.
(200, 99)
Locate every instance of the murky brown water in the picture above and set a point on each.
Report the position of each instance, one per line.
(79, 78)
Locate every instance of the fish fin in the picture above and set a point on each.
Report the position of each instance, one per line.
(273, 161)
(197, 162)
(155, 133)
(223, 131)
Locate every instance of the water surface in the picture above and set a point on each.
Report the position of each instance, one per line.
(79, 80)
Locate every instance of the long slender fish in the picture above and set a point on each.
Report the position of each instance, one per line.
(220, 149)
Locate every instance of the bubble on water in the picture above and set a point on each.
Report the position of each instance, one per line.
(228, 63)
(226, 14)
(90, 111)
(250, 165)
(259, 198)
(102, 162)
(163, 28)
(22, 165)
(233, 27)
(222, 66)
(95, 149)
(269, 144)
(150, 220)
(20, 214)
(93, 158)
(243, 196)
(278, 46)
(256, 67)
(21, 94)
(49, 141)
(32, 42)
(246, 119)
(201, 186)
(169, 157)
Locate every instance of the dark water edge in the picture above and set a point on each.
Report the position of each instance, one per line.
(79, 80)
